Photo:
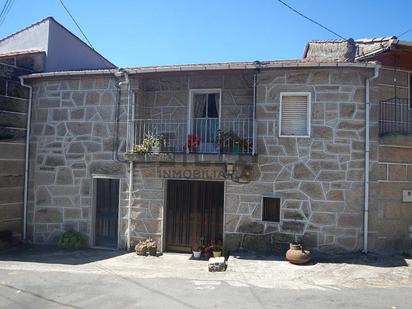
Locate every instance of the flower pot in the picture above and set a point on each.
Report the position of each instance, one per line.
(155, 149)
(152, 251)
(197, 254)
(217, 253)
(296, 254)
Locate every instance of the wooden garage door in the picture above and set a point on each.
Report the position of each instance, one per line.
(194, 210)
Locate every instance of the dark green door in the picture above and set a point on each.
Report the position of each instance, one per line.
(107, 212)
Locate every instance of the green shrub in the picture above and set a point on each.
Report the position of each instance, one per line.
(71, 240)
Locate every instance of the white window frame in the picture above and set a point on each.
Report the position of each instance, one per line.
(309, 113)
(192, 92)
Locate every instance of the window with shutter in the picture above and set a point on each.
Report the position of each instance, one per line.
(294, 114)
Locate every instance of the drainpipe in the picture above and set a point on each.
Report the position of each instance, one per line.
(126, 82)
(254, 115)
(130, 203)
(26, 158)
(367, 148)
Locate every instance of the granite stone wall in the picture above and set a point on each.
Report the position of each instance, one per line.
(73, 133)
(319, 179)
(390, 218)
(168, 97)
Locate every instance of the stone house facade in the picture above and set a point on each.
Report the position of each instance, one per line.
(44, 46)
(274, 187)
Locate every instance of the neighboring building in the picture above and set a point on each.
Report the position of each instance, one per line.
(13, 115)
(63, 50)
(256, 154)
(43, 46)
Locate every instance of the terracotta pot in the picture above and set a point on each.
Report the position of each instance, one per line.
(296, 254)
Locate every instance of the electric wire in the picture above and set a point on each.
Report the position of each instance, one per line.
(5, 11)
(310, 19)
(403, 33)
(84, 35)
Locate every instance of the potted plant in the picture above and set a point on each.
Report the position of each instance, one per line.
(193, 140)
(152, 142)
(141, 247)
(217, 249)
(139, 149)
(197, 248)
(151, 246)
(229, 142)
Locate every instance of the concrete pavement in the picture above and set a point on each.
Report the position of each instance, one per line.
(43, 277)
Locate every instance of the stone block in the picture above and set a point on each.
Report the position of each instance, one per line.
(323, 218)
(301, 171)
(64, 176)
(347, 110)
(246, 225)
(76, 147)
(216, 264)
(350, 220)
(107, 168)
(294, 227)
(335, 195)
(258, 243)
(43, 196)
(351, 124)
(320, 77)
(397, 172)
(331, 176)
(48, 215)
(233, 241)
(293, 215)
(72, 213)
(79, 128)
(297, 77)
(77, 114)
(332, 97)
(345, 78)
(338, 149)
(60, 115)
(327, 206)
(312, 189)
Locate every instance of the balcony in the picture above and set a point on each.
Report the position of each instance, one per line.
(200, 138)
(395, 117)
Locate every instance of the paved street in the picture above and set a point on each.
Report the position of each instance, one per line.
(49, 278)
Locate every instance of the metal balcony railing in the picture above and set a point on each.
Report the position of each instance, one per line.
(395, 116)
(201, 135)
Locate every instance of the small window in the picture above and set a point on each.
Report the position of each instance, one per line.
(294, 114)
(271, 209)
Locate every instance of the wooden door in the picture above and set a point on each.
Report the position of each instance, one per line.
(107, 212)
(194, 210)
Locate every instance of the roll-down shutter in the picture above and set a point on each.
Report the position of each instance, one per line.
(294, 115)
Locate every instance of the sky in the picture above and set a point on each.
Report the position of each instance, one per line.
(157, 32)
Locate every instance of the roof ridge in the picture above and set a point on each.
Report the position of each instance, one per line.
(28, 27)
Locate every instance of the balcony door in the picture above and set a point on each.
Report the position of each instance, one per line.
(204, 121)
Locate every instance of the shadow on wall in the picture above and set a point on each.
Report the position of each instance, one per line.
(54, 255)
